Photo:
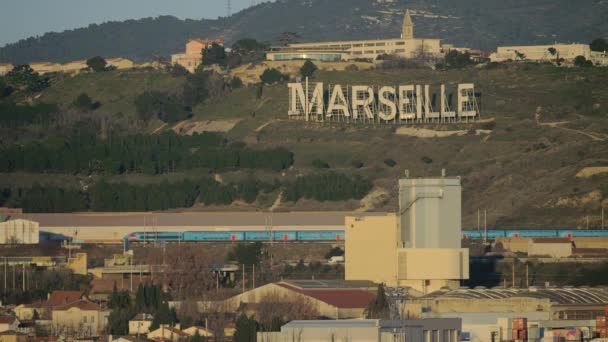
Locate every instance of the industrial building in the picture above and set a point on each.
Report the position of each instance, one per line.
(19, 232)
(368, 330)
(418, 247)
(406, 46)
(549, 53)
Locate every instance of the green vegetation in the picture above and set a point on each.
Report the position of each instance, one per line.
(246, 253)
(581, 61)
(599, 45)
(215, 54)
(336, 251)
(165, 107)
(23, 77)
(163, 153)
(84, 103)
(149, 299)
(308, 69)
(378, 308)
(246, 329)
(390, 162)
(456, 60)
(327, 187)
(484, 23)
(13, 115)
(271, 76)
(97, 64)
(46, 280)
(320, 164)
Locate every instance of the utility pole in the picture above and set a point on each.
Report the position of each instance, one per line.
(513, 274)
(253, 277)
(478, 221)
(243, 286)
(228, 8)
(527, 279)
(485, 226)
(23, 277)
(602, 218)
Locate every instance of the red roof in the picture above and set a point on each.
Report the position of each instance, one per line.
(57, 298)
(81, 304)
(6, 319)
(341, 298)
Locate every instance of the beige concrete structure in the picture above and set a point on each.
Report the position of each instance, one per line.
(140, 324)
(367, 330)
(193, 56)
(407, 46)
(418, 247)
(541, 53)
(552, 247)
(522, 244)
(81, 319)
(78, 264)
(19, 231)
(5, 69)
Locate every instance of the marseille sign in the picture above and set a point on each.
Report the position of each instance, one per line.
(390, 104)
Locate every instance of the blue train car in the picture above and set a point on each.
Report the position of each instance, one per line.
(156, 236)
(532, 233)
(321, 235)
(284, 235)
(214, 236)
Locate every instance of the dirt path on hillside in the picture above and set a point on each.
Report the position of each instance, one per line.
(558, 125)
(159, 129)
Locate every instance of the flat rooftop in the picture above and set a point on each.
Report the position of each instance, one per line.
(190, 219)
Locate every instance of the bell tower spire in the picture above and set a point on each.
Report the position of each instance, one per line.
(408, 27)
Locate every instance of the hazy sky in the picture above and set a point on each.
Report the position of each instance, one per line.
(25, 18)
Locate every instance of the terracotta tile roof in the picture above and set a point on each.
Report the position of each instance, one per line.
(552, 240)
(6, 319)
(81, 304)
(341, 298)
(57, 298)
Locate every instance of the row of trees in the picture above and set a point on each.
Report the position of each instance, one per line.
(105, 196)
(149, 154)
(327, 187)
(14, 115)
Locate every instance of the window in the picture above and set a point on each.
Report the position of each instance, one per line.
(380, 44)
(380, 51)
(400, 51)
(92, 319)
(370, 44)
(357, 45)
(400, 43)
(84, 319)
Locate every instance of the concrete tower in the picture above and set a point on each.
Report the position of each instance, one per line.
(408, 27)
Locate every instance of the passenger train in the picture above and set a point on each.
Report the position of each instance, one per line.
(335, 235)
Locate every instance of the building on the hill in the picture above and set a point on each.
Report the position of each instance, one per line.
(430, 329)
(5, 69)
(19, 231)
(81, 319)
(8, 323)
(193, 56)
(418, 247)
(541, 53)
(140, 324)
(406, 46)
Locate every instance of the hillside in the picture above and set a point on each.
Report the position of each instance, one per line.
(523, 172)
(472, 23)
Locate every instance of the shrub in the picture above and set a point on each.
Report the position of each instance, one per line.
(177, 70)
(85, 103)
(97, 64)
(319, 164)
(426, 160)
(581, 61)
(389, 162)
(271, 76)
(336, 251)
(236, 83)
(357, 164)
(308, 69)
(351, 67)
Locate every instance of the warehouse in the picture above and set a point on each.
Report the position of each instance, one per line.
(19, 232)
(113, 227)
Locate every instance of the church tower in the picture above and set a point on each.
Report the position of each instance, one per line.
(408, 27)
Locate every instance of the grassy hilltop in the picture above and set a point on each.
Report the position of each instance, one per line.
(522, 171)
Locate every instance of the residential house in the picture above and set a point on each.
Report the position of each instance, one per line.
(80, 319)
(8, 323)
(203, 332)
(13, 336)
(140, 324)
(168, 333)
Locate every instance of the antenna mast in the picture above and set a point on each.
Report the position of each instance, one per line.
(229, 8)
